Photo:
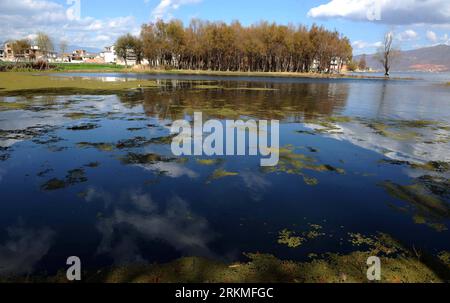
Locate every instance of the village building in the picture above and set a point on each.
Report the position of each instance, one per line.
(336, 65)
(8, 52)
(33, 53)
(78, 55)
(82, 56)
(109, 55)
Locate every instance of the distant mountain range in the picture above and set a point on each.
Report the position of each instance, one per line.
(435, 58)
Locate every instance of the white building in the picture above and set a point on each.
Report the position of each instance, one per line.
(109, 54)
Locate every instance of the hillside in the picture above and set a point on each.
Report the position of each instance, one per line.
(436, 58)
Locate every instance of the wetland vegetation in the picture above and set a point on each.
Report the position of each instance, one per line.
(86, 169)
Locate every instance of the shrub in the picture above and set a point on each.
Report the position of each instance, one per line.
(26, 66)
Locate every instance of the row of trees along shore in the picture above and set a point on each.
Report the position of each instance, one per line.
(217, 46)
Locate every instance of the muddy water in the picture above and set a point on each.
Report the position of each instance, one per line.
(93, 176)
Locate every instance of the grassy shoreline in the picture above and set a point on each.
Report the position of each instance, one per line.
(23, 83)
(12, 83)
(399, 266)
(109, 68)
(234, 74)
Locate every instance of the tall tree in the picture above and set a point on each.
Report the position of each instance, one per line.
(263, 46)
(45, 44)
(20, 48)
(63, 47)
(362, 65)
(387, 52)
(125, 46)
(138, 49)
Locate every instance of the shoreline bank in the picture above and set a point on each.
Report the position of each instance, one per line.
(232, 74)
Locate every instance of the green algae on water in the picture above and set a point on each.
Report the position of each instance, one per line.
(81, 115)
(84, 126)
(54, 184)
(209, 162)
(295, 164)
(287, 237)
(73, 177)
(105, 147)
(428, 208)
(222, 173)
(93, 164)
(4, 106)
(444, 256)
(396, 134)
(134, 158)
(204, 86)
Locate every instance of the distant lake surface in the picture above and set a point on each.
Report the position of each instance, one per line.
(435, 77)
(93, 176)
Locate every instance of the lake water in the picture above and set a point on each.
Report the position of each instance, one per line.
(93, 176)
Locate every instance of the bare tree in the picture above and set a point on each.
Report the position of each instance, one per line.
(387, 53)
(63, 47)
(362, 65)
(20, 48)
(44, 43)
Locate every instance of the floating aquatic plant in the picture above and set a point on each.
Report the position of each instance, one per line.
(287, 237)
(427, 207)
(84, 126)
(209, 162)
(106, 147)
(73, 177)
(222, 173)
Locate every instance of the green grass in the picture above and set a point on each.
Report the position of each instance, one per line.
(399, 265)
(15, 83)
(94, 67)
(87, 66)
(70, 67)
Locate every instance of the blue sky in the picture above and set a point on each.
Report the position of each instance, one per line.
(417, 23)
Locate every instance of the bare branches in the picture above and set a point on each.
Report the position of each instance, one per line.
(63, 47)
(44, 43)
(20, 48)
(387, 53)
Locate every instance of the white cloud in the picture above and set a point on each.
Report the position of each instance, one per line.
(364, 47)
(407, 35)
(170, 169)
(431, 36)
(359, 44)
(16, 7)
(390, 11)
(165, 8)
(24, 248)
(436, 40)
(22, 18)
(172, 222)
